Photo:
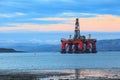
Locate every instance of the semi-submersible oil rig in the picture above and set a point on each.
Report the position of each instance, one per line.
(78, 44)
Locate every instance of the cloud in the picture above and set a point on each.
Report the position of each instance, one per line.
(69, 15)
(55, 19)
(34, 27)
(5, 15)
(106, 23)
(9, 41)
(51, 1)
(36, 41)
(20, 14)
(52, 19)
(77, 14)
(45, 15)
(9, 15)
(52, 7)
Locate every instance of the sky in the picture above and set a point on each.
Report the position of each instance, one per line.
(31, 16)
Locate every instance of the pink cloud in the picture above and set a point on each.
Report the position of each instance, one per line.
(101, 23)
(98, 23)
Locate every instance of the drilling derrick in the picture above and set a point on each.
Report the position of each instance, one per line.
(77, 30)
(78, 44)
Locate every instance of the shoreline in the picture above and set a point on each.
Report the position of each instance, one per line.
(70, 74)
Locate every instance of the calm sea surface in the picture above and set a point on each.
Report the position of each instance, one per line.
(56, 60)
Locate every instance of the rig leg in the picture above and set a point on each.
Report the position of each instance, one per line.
(88, 47)
(81, 48)
(70, 50)
(63, 47)
(76, 48)
(94, 47)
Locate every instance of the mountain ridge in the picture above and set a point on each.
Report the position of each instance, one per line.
(102, 45)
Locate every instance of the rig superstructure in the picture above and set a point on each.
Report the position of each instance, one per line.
(78, 44)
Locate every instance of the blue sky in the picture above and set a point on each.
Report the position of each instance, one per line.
(35, 16)
(14, 12)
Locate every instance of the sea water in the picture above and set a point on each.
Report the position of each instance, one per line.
(56, 60)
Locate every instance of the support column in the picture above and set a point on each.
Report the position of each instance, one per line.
(88, 47)
(76, 48)
(70, 49)
(63, 47)
(81, 48)
(94, 47)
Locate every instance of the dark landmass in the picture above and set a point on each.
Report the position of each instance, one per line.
(8, 50)
(102, 45)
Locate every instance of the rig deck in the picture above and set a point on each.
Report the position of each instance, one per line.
(79, 46)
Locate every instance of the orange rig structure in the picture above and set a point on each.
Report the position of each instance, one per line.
(78, 44)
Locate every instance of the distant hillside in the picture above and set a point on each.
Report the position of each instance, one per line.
(102, 45)
(108, 45)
